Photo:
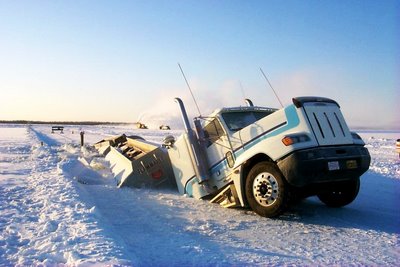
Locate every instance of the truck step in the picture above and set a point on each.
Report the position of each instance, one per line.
(227, 198)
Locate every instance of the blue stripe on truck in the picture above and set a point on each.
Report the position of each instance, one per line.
(292, 121)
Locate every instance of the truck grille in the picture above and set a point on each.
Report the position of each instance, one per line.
(328, 124)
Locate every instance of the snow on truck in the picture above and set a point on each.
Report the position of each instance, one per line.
(256, 157)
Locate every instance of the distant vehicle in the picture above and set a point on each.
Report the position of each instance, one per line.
(165, 127)
(256, 157)
(140, 125)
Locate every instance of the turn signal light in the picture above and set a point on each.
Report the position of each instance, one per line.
(287, 141)
(293, 139)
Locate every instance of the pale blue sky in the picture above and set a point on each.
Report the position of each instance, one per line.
(117, 60)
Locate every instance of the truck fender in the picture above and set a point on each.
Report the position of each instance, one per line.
(241, 169)
(250, 155)
(238, 181)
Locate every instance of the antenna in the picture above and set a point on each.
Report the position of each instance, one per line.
(241, 88)
(194, 99)
(271, 86)
(248, 102)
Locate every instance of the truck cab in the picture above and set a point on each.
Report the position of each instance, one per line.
(264, 157)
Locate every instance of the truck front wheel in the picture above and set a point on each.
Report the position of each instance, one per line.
(341, 194)
(267, 191)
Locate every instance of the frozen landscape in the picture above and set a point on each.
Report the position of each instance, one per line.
(59, 205)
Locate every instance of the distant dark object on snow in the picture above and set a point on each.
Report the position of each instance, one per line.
(140, 125)
(57, 128)
(165, 127)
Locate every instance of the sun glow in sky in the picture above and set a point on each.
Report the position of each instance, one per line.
(117, 60)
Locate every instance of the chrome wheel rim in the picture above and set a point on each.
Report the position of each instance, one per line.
(265, 189)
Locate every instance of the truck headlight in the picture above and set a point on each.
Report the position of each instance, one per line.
(294, 139)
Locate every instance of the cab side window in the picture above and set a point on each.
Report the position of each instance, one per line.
(213, 131)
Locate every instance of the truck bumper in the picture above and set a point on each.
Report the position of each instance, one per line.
(325, 165)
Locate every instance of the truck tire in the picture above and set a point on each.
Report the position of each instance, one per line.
(267, 191)
(342, 194)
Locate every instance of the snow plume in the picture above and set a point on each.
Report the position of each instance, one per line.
(305, 82)
(164, 110)
(228, 94)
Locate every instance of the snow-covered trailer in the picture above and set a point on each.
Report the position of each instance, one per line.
(135, 161)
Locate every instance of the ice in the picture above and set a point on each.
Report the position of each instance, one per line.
(59, 205)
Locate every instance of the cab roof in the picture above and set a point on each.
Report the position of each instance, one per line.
(241, 109)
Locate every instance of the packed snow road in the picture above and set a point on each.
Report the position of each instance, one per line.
(59, 205)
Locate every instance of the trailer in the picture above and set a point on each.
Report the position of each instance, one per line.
(136, 162)
(251, 156)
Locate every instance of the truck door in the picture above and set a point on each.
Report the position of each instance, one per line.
(217, 148)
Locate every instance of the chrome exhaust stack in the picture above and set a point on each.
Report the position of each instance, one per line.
(249, 102)
(197, 154)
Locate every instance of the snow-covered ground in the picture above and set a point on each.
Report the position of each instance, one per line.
(59, 205)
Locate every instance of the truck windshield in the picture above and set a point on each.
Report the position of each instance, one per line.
(240, 119)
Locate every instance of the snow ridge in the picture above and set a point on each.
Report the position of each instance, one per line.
(52, 224)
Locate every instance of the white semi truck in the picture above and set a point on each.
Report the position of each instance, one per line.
(256, 157)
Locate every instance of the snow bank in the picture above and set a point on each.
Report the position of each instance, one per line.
(48, 220)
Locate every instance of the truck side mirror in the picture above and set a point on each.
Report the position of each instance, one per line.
(168, 141)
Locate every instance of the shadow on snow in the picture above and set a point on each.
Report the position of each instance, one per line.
(375, 208)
